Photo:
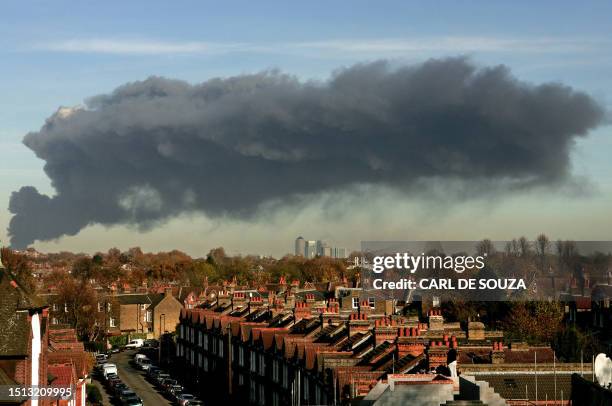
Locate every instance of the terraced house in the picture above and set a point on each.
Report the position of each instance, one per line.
(313, 349)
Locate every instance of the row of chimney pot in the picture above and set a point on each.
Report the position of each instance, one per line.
(498, 346)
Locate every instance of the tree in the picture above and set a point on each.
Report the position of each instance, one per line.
(542, 246)
(534, 321)
(524, 246)
(485, 247)
(19, 266)
(80, 301)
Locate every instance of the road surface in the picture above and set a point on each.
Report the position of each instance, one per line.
(135, 379)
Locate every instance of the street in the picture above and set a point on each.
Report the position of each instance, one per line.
(135, 380)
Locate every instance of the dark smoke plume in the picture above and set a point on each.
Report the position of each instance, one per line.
(154, 149)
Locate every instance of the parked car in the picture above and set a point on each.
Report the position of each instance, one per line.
(184, 399)
(130, 400)
(174, 391)
(195, 402)
(152, 370)
(167, 383)
(136, 343)
(118, 388)
(135, 401)
(125, 393)
(108, 368)
(160, 378)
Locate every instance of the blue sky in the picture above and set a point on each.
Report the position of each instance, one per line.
(60, 53)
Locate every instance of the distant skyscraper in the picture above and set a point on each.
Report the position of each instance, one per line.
(311, 249)
(338, 252)
(300, 246)
(314, 248)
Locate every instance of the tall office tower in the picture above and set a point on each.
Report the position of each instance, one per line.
(338, 252)
(300, 246)
(311, 249)
(321, 245)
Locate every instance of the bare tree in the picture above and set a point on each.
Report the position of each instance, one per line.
(524, 246)
(485, 247)
(542, 246)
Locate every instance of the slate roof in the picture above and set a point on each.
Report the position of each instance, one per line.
(513, 385)
(140, 298)
(405, 364)
(5, 379)
(305, 326)
(372, 355)
(14, 305)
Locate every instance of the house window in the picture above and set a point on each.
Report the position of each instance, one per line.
(205, 364)
(253, 391)
(306, 389)
(262, 395)
(275, 372)
(253, 361)
(262, 365)
(372, 302)
(205, 342)
(108, 307)
(99, 307)
(220, 347)
(240, 379)
(112, 322)
(143, 306)
(355, 302)
(54, 320)
(54, 307)
(65, 307)
(241, 356)
(285, 376)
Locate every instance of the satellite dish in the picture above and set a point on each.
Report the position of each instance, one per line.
(603, 370)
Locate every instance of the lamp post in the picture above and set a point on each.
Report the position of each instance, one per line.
(160, 335)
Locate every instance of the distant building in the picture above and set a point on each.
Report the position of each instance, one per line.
(338, 252)
(300, 246)
(311, 249)
(314, 248)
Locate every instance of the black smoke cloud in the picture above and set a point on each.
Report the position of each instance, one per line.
(155, 149)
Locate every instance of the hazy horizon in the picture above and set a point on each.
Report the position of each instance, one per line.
(273, 185)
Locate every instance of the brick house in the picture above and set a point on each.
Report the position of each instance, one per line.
(143, 312)
(23, 336)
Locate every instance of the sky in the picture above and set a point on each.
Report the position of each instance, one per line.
(61, 53)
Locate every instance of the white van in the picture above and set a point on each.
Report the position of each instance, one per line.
(136, 343)
(109, 369)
